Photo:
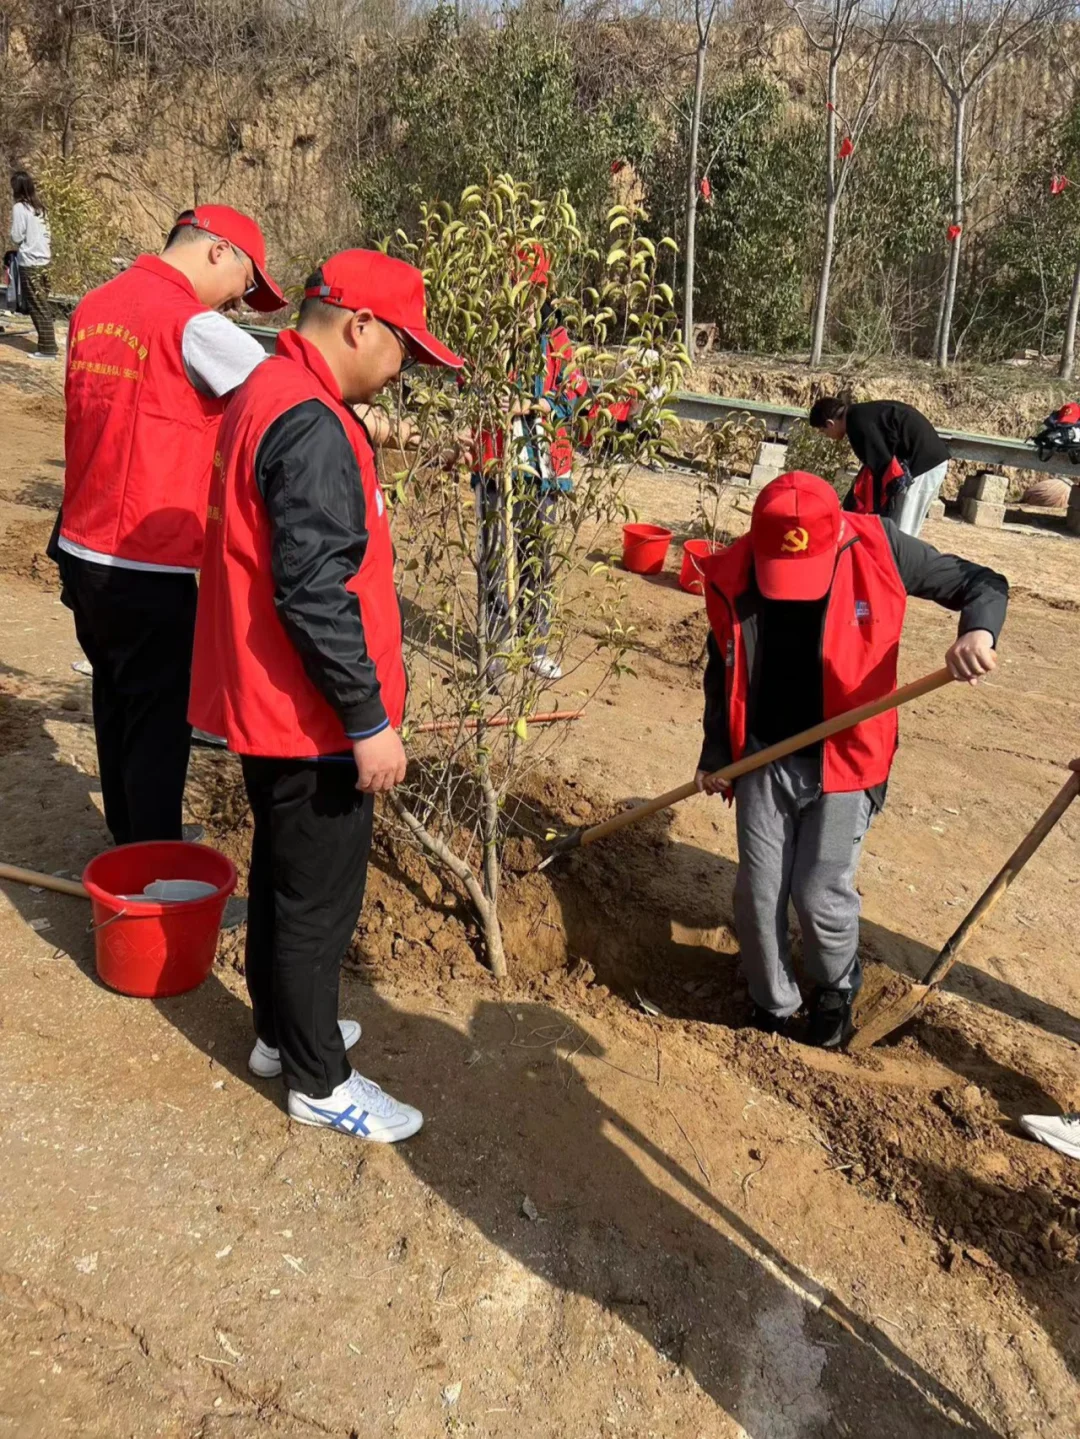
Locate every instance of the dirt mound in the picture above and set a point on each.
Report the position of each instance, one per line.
(22, 550)
(46, 407)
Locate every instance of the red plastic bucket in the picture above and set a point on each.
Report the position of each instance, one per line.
(644, 548)
(146, 947)
(693, 552)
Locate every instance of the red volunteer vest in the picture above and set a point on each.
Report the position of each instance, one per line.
(139, 438)
(861, 639)
(871, 497)
(248, 682)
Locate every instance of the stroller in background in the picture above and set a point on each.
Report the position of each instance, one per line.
(1060, 434)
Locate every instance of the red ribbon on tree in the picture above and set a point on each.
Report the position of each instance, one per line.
(616, 166)
(954, 232)
(847, 147)
(705, 188)
(1058, 183)
(830, 106)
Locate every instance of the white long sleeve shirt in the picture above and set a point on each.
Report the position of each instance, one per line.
(30, 235)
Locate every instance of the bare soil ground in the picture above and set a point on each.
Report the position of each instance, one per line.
(725, 1235)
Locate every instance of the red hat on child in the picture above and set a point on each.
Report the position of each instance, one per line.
(391, 289)
(795, 535)
(225, 223)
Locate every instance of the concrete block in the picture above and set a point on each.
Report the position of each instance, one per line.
(985, 486)
(936, 510)
(762, 475)
(1072, 514)
(773, 455)
(983, 512)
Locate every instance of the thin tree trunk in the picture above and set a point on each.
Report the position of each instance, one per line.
(692, 195)
(1068, 349)
(821, 304)
(485, 912)
(953, 271)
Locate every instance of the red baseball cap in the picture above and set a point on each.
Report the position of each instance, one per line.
(391, 289)
(795, 534)
(240, 230)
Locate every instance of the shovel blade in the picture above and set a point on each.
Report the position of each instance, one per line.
(885, 1014)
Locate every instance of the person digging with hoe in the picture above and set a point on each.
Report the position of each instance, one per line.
(151, 361)
(298, 664)
(805, 615)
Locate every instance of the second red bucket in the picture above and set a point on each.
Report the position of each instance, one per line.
(154, 948)
(694, 552)
(644, 548)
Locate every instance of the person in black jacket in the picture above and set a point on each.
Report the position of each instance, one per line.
(904, 459)
(805, 618)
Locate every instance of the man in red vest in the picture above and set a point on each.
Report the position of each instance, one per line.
(805, 614)
(298, 664)
(150, 362)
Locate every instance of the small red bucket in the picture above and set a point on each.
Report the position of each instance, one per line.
(693, 553)
(151, 948)
(644, 548)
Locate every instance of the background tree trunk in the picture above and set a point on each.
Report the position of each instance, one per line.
(1068, 349)
(692, 195)
(821, 304)
(953, 271)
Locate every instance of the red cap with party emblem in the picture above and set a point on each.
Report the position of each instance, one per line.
(391, 289)
(795, 535)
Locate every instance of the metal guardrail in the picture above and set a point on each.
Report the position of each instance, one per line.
(779, 419)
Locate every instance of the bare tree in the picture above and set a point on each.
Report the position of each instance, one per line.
(1068, 348)
(856, 36)
(965, 41)
(705, 12)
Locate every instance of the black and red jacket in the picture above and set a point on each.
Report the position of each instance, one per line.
(877, 567)
(894, 443)
(298, 632)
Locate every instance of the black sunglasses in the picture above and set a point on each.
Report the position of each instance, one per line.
(403, 340)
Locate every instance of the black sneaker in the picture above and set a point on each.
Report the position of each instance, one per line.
(768, 1022)
(830, 1023)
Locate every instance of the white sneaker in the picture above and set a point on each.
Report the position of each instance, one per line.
(360, 1108)
(1059, 1131)
(266, 1062)
(547, 668)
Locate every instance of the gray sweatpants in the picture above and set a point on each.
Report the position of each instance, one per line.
(913, 506)
(797, 844)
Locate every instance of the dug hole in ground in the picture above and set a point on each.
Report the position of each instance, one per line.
(612, 1223)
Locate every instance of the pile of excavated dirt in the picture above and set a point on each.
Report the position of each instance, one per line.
(594, 927)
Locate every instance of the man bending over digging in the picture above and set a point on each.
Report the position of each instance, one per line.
(805, 613)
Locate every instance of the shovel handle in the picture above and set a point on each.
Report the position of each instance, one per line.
(45, 881)
(762, 757)
(1004, 877)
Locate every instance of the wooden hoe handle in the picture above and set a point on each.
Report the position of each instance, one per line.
(762, 757)
(45, 881)
(1004, 877)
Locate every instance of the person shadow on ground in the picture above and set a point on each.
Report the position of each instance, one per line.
(511, 1125)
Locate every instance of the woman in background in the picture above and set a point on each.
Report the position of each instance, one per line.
(30, 235)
